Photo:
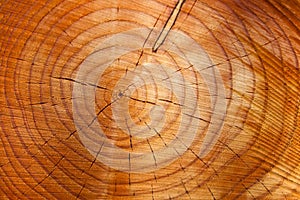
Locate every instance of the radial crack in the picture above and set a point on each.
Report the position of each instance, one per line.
(152, 152)
(143, 101)
(79, 82)
(212, 194)
(169, 101)
(168, 25)
(196, 117)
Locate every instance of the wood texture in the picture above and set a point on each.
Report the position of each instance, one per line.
(253, 45)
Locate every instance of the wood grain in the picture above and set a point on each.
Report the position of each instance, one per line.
(254, 46)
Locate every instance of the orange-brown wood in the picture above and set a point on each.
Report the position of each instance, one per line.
(216, 83)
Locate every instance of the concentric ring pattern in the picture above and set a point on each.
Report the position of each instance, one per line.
(212, 114)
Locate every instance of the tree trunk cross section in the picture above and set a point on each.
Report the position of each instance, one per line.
(150, 99)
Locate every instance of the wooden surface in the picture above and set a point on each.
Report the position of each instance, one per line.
(246, 143)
